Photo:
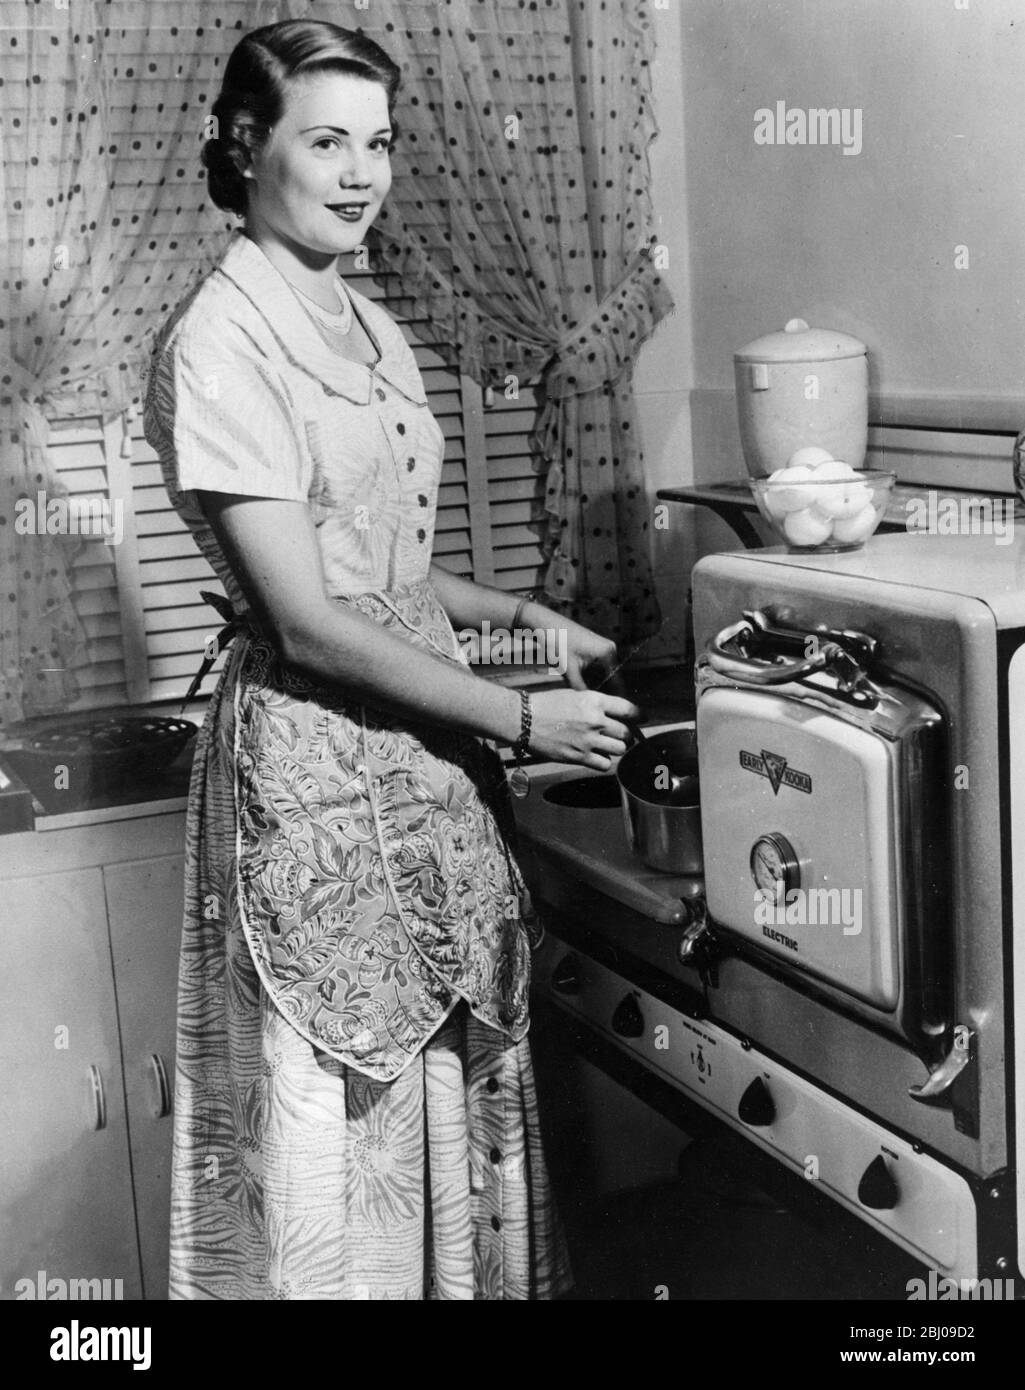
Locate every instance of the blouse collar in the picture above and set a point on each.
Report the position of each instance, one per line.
(271, 296)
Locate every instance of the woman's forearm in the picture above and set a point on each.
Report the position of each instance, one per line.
(469, 604)
(271, 545)
(339, 646)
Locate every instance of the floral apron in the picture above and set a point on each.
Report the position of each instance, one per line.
(375, 880)
(356, 1114)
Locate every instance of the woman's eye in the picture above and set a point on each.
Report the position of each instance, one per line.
(329, 142)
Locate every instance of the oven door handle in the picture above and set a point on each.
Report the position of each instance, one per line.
(749, 672)
(939, 1087)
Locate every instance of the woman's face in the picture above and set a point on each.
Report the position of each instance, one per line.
(328, 150)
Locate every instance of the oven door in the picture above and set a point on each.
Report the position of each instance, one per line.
(824, 838)
(801, 816)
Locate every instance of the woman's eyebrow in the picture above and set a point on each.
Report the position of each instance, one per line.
(338, 130)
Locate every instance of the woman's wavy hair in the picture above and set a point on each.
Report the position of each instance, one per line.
(252, 96)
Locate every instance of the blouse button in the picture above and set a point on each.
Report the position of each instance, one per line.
(492, 1084)
(410, 464)
(421, 535)
(401, 427)
(421, 499)
(496, 1225)
(495, 1155)
(381, 395)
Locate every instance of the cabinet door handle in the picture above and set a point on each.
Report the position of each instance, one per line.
(98, 1097)
(162, 1105)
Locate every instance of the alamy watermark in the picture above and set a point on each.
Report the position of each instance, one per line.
(939, 1288)
(84, 1343)
(520, 646)
(940, 515)
(71, 516)
(806, 907)
(45, 1287)
(818, 125)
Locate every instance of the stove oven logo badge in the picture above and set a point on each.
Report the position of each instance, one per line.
(774, 767)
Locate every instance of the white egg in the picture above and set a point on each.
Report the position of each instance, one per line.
(809, 457)
(835, 500)
(858, 527)
(805, 528)
(772, 500)
(833, 469)
(795, 495)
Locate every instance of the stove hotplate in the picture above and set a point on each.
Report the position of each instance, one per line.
(573, 816)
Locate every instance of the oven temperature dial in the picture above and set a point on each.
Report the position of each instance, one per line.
(774, 865)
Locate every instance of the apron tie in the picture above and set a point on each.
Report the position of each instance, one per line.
(235, 624)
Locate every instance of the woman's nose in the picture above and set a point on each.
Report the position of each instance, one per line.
(357, 169)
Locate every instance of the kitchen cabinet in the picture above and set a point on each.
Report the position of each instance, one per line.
(144, 913)
(65, 1174)
(90, 924)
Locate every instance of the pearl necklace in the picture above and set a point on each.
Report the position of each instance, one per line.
(338, 323)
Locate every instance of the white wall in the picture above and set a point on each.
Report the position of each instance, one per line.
(664, 374)
(865, 243)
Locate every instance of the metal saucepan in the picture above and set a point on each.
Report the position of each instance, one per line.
(659, 791)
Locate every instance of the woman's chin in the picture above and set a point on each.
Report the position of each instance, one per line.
(341, 240)
(344, 245)
(351, 233)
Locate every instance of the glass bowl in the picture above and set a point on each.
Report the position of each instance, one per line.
(824, 515)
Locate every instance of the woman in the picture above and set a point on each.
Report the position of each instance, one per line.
(355, 1109)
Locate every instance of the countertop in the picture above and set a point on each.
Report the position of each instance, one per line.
(78, 798)
(664, 692)
(590, 844)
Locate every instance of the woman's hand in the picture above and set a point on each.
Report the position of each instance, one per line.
(469, 604)
(584, 650)
(580, 726)
(587, 651)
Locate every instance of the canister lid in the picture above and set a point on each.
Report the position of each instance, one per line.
(799, 343)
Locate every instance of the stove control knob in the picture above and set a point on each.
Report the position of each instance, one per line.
(566, 976)
(628, 1021)
(757, 1107)
(877, 1188)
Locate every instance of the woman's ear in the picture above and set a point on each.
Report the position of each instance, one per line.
(247, 159)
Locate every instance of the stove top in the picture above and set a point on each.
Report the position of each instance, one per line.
(985, 567)
(589, 841)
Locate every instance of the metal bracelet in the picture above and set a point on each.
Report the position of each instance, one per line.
(527, 598)
(522, 745)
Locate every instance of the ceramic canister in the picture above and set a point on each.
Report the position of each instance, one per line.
(799, 387)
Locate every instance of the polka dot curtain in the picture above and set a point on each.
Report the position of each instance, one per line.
(106, 225)
(517, 233)
(520, 229)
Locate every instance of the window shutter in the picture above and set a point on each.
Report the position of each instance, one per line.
(78, 450)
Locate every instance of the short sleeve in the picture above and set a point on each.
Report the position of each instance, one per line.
(233, 427)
